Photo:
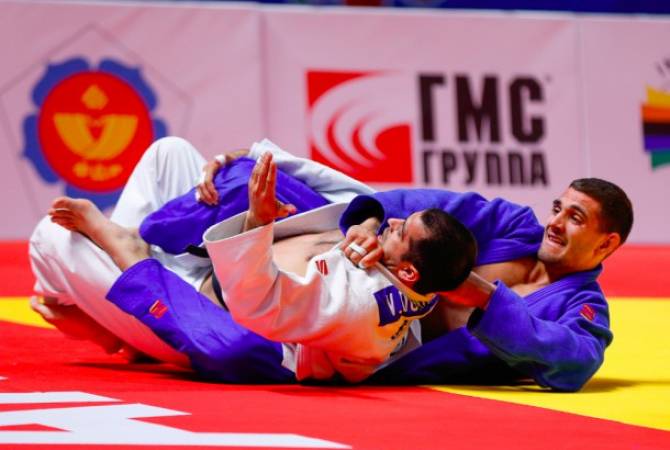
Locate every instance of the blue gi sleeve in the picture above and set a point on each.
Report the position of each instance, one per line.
(455, 357)
(562, 352)
(504, 230)
(182, 221)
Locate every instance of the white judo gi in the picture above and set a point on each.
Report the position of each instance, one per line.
(72, 269)
(338, 318)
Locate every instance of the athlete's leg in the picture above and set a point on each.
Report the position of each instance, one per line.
(72, 269)
(169, 168)
(123, 245)
(218, 347)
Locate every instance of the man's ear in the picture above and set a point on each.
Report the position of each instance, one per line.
(407, 273)
(609, 244)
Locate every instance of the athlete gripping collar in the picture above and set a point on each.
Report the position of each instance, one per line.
(358, 249)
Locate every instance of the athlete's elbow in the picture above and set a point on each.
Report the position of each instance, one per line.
(570, 377)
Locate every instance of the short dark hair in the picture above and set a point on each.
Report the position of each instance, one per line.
(445, 258)
(616, 210)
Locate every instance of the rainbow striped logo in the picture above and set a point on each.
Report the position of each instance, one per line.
(656, 126)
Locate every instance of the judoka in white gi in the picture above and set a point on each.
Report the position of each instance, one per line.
(337, 319)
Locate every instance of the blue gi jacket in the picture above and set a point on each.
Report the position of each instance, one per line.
(504, 230)
(556, 335)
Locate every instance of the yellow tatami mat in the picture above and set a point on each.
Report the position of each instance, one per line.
(632, 387)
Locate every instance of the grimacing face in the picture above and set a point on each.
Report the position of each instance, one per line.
(396, 238)
(573, 238)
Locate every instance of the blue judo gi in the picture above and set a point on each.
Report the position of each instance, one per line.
(547, 336)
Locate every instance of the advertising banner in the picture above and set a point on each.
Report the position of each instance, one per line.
(506, 105)
(627, 97)
(85, 88)
(452, 101)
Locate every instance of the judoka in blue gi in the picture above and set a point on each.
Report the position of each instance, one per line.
(550, 322)
(552, 326)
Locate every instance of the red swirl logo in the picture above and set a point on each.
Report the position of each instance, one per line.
(360, 124)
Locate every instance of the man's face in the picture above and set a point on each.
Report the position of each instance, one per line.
(395, 240)
(573, 239)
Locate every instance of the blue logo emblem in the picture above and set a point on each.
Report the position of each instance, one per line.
(91, 127)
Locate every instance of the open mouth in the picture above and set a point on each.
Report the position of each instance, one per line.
(554, 239)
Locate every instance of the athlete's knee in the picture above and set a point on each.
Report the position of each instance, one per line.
(173, 147)
(43, 254)
(44, 238)
(171, 158)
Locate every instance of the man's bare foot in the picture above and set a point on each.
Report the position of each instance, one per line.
(75, 324)
(77, 214)
(125, 246)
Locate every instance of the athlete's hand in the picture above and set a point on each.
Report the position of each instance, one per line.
(205, 189)
(361, 246)
(263, 204)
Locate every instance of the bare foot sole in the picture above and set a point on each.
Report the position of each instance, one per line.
(123, 245)
(78, 215)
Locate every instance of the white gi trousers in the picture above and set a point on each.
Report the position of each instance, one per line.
(71, 268)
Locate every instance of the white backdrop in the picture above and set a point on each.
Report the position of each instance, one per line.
(394, 50)
(202, 64)
(621, 60)
(507, 105)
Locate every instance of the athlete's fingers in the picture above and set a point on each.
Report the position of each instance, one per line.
(199, 194)
(212, 194)
(263, 169)
(209, 193)
(271, 179)
(371, 258)
(255, 193)
(60, 202)
(370, 242)
(202, 194)
(59, 213)
(255, 173)
(353, 234)
(64, 222)
(348, 239)
(355, 251)
(285, 209)
(40, 308)
(206, 187)
(353, 256)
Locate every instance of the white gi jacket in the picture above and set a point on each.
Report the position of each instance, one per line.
(338, 318)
